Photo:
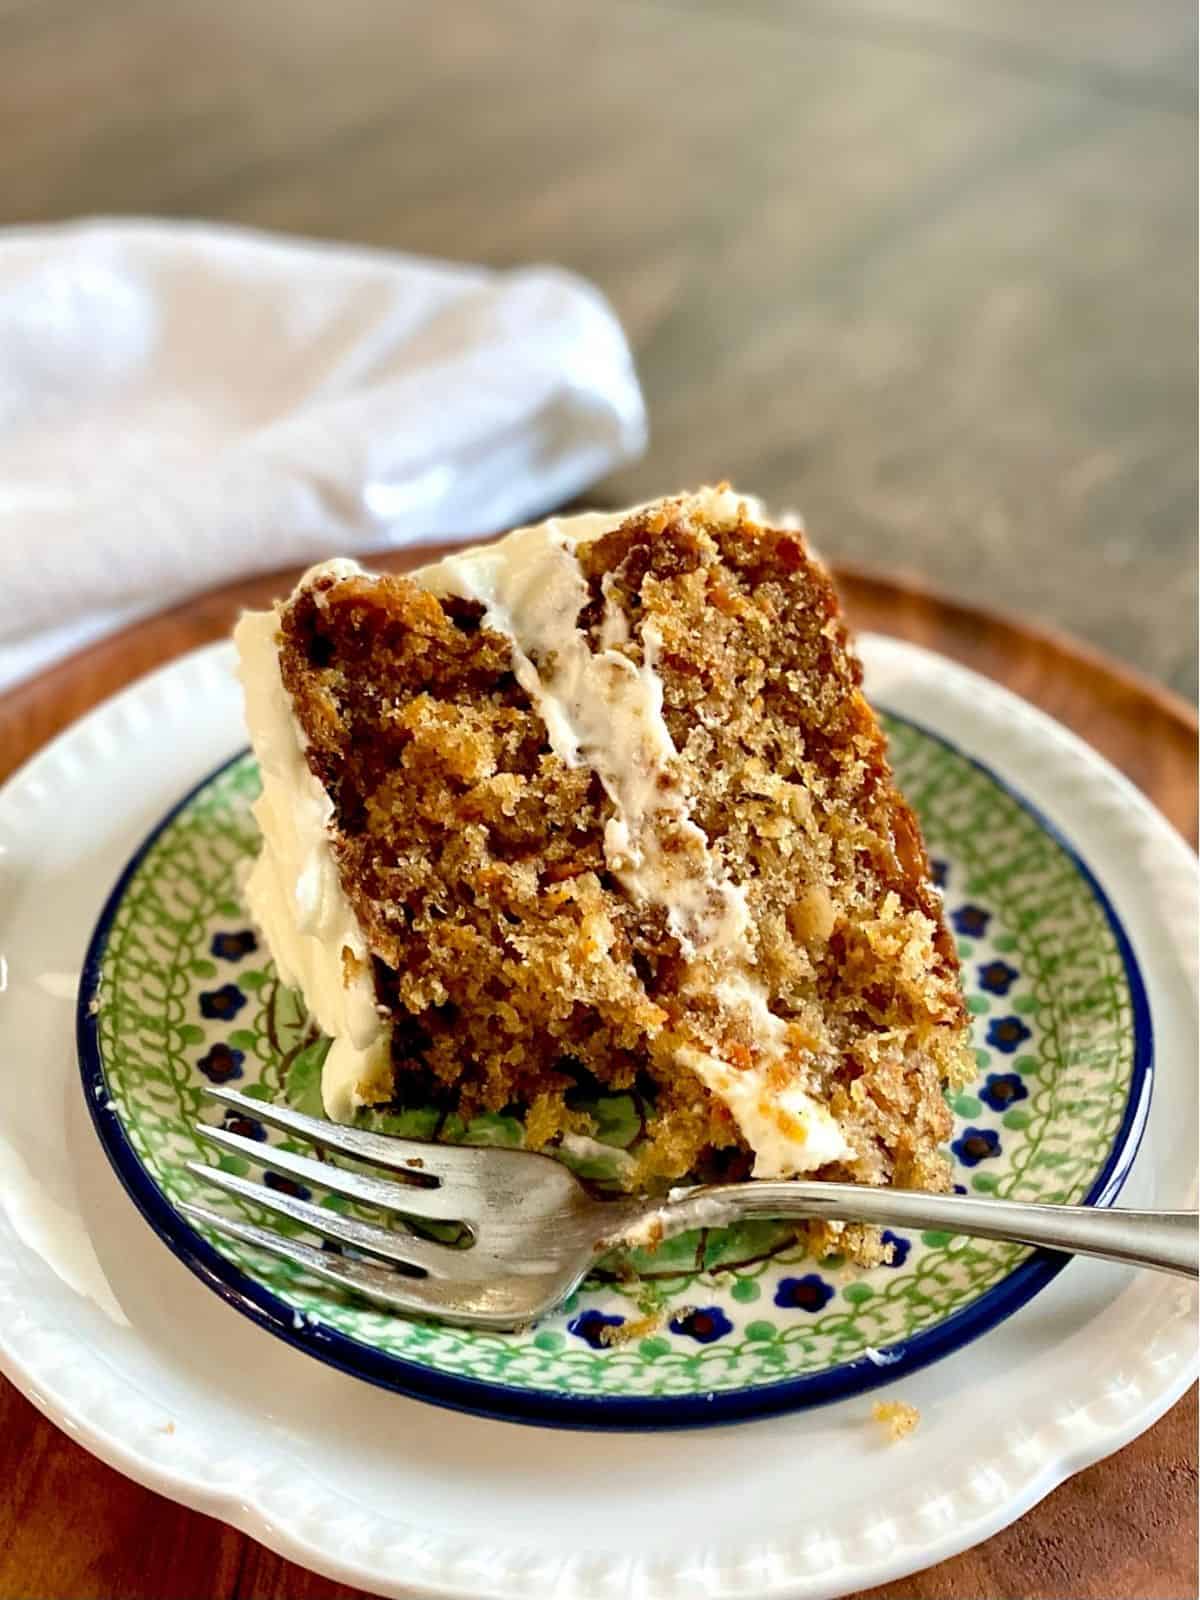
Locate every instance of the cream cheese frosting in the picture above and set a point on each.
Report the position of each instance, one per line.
(602, 710)
(293, 891)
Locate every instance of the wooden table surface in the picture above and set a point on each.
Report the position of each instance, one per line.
(923, 268)
(1124, 1530)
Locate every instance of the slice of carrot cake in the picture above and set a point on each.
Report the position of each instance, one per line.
(603, 801)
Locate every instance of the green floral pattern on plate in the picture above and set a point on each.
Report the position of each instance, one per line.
(185, 995)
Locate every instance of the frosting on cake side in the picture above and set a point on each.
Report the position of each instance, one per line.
(293, 891)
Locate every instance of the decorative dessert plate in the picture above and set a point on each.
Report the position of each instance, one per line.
(716, 1324)
(105, 1330)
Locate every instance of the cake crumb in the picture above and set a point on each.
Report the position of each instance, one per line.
(646, 1235)
(627, 1332)
(167, 1427)
(93, 1006)
(880, 1358)
(897, 1416)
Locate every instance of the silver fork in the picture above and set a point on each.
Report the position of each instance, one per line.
(536, 1232)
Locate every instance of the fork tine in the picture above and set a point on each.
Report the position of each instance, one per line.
(430, 1297)
(403, 1249)
(381, 1150)
(409, 1199)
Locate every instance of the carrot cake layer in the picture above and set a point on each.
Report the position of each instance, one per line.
(603, 803)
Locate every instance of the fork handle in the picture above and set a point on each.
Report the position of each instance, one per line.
(1166, 1240)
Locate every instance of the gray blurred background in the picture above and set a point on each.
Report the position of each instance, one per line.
(925, 270)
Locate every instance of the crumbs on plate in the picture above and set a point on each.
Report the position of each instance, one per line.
(626, 1332)
(897, 1417)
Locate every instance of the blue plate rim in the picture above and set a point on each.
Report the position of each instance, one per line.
(591, 1412)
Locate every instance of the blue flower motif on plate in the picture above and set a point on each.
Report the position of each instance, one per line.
(702, 1323)
(223, 1003)
(1002, 1089)
(997, 977)
(247, 1127)
(276, 1180)
(1007, 1034)
(971, 921)
(809, 1293)
(234, 946)
(222, 1063)
(974, 1145)
(900, 1247)
(590, 1325)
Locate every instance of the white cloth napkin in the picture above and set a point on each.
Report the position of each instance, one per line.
(183, 404)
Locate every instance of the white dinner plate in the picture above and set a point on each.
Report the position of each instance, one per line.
(116, 1341)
